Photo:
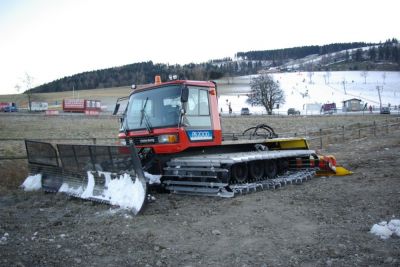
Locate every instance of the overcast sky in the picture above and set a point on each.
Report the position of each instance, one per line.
(50, 39)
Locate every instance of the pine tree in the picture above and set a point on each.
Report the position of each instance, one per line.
(372, 53)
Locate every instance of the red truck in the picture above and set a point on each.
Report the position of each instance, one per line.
(81, 105)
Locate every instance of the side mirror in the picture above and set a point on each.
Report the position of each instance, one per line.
(185, 94)
(116, 109)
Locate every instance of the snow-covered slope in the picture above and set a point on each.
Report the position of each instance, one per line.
(303, 88)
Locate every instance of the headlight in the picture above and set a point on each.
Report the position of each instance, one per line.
(122, 142)
(167, 138)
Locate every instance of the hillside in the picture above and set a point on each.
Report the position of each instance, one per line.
(337, 57)
(301, 89)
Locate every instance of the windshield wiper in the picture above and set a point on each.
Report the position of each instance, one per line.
(145, 117)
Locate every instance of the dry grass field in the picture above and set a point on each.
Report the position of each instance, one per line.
(80, 129)
(324, 222)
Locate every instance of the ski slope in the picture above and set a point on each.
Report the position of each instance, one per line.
(305, 88)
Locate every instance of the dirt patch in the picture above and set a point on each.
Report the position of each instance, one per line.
(323, 222)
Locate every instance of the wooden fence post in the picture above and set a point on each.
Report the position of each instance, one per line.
(320, 138)
(387, 126)
(343, 133)
(374, 128)
(359, 131)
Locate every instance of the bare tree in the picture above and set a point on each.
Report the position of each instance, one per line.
(27, 81)
(265, 92)
(384, 77)
(328, 76)
(310, 75)
(17, 87)
(310, 72)
(364, 74)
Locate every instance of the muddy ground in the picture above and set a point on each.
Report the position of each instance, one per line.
(322, 222)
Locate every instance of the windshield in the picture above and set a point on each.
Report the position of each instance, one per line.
(154, 108)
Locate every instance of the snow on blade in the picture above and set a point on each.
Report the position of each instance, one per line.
(66, 188)
(125, 193)
(32, 183)
(385, 230)
(90, 186)
(120, 191)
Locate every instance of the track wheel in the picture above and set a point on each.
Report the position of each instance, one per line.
(283, 166)
(239, 172)
(271, 168)
(256, 170)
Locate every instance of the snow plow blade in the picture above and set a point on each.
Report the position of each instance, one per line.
(328, 167)
(91, 172)
(341, 171)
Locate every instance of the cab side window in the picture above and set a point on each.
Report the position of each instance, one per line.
(198, 108)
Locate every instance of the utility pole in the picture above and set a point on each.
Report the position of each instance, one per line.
(379, 88)
(344, 86)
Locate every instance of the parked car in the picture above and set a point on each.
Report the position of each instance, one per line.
(245, 111)
(10, 109)
(385, 110)
(292, 111)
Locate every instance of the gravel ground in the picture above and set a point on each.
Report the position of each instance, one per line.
(322, 222)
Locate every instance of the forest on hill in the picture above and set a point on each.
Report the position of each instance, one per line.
(298, 52)
(244, 63)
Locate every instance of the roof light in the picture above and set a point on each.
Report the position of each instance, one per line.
(157, 79)
(172, 77)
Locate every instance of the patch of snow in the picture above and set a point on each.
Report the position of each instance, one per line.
(385, 230)
(153, 179)
(32, 183)
(394, 226)
(4, 238)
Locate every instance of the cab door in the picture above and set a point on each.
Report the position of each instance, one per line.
(197, 121)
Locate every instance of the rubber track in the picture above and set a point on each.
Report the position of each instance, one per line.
(199, 175)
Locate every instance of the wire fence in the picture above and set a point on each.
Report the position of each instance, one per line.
(316, 138)
(351, 132)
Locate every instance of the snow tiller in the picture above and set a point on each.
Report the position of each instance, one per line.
(172, 130)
